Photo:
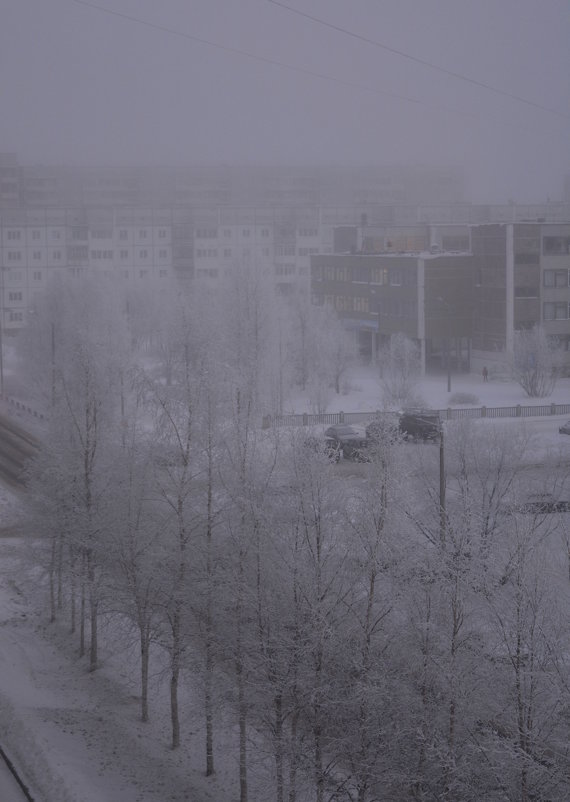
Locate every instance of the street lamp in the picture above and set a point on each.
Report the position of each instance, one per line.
(448, 310)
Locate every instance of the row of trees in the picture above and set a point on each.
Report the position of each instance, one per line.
(367, 641)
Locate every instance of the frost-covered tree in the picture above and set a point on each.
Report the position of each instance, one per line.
(400, 371)
(536, 362)
(85, 413)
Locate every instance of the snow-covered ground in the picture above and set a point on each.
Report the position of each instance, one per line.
(76, 736)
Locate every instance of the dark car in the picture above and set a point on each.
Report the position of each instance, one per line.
(351, 440)
(419, 424)
(565, 428)
(544, 504)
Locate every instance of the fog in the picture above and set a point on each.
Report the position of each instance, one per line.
(220, 81)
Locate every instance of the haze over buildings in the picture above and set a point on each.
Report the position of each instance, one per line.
(482, 87)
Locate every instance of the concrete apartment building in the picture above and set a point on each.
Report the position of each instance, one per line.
(36, 246)
(408, 224)
(521, 278)
(398, 279)
(460, 292)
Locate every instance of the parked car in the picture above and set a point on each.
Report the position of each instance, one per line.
(565, 428)
(544, 504)
(419, 424)
(351, 440)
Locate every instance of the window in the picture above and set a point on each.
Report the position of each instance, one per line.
(555, 245)
(78, 252)
(285, 250)
(56, 255)
(206, 233)
(285, 270)
(14, 296)
(55, 234)
(395, 277)
(12, 235)
(37, 275)
(16, 317)
(361, 304)
(264, 232)
(14, 256)
(245, 232)
(162, 233)
(143, 254)
(143, 273)
(163, 273)
(36, 234)
(555, 310)
(37, 255)
(101, 233)
(555, 278)
(379, 275)
(123, 254)
(123, 234)
(527, 258)
(308, 232)
(142, 233)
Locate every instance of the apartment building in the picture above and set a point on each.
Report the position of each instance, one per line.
(522, 279)
(418, 291)
(129, 245)
(460, 292)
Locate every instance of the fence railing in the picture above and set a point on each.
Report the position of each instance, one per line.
(451, 413)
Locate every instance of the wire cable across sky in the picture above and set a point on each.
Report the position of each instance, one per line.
(321, 75)
(417, 60)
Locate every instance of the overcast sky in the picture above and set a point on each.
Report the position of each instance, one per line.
(81, 86)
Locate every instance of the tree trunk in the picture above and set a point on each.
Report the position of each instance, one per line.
(93, 608)
(278, 702)
(209, 708)
(60, 573)
(174, 677)
(145, 654)
(82, 609)
(52, 581)
(73, 614)
(293, 757)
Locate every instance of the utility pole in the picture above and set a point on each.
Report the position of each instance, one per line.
(442, 511)
(2, 332)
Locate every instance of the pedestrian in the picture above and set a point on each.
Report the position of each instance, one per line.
(485, 374)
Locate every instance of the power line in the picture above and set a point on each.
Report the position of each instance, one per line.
(417, 60)
(291, 67)
(246, 54)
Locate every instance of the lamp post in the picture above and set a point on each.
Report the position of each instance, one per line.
(442, 509)
(2, 332)
(448, 310)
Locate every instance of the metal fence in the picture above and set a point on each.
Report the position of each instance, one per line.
(455, 413)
